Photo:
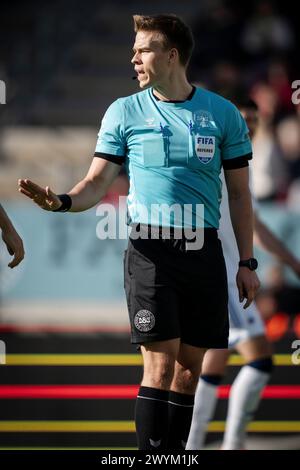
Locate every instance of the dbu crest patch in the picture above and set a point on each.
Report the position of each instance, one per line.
(205, 147)
(144, 320)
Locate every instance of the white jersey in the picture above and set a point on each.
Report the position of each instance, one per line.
(244, 323)
(227, 237)
(226, 233)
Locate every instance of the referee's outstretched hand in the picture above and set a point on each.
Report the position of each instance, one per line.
(43, 197)
(248, 285)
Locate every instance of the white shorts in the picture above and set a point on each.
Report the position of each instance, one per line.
(244, 323)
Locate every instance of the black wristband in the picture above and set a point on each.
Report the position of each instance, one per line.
(66, 203)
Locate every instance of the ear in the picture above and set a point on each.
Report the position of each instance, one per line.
(173, 55)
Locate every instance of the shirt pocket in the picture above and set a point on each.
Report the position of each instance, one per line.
(153, 151)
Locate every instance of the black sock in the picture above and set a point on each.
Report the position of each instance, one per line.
(180, 417)
(151, 418)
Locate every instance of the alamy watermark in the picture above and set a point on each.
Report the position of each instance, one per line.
(2, 352)
(2, 92)
(177, 221)
(296, 354)
(296, 93)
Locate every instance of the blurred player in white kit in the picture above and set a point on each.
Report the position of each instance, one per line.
(246, 335)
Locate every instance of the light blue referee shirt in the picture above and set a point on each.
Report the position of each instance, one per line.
(173, 153)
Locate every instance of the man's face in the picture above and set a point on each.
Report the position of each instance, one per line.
(251, 117)
(151, 60)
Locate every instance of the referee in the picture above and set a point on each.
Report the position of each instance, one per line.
(174, 139)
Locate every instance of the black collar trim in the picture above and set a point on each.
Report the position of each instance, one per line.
(177, 101)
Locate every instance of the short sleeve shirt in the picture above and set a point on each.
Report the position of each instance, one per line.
(174, 152)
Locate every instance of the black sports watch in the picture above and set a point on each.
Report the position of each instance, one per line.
(250, 263)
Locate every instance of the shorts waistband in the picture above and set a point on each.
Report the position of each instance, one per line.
(174, 233)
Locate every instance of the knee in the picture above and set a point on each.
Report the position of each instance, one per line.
(186, 379)
(158, 374)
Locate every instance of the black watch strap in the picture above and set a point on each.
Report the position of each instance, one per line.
(250, 263)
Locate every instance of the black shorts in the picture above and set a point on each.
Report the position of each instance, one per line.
(174, 293)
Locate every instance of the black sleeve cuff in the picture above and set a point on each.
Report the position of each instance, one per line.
(110, 158)
(238, 162)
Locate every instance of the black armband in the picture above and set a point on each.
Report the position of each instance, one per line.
(66, 203)
(111, 158)
(236, 163)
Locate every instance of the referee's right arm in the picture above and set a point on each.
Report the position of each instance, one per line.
(111, 148)
(89, 191)
(86, 194)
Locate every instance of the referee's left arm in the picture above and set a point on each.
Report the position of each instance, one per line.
(241, 213)
(240, 205)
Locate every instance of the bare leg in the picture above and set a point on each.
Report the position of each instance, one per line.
(159, 361)
(152, 404)
(181, 398)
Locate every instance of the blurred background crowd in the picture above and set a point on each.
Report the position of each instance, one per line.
(64, 62)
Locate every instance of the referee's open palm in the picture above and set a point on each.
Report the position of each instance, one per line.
(43, 197)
